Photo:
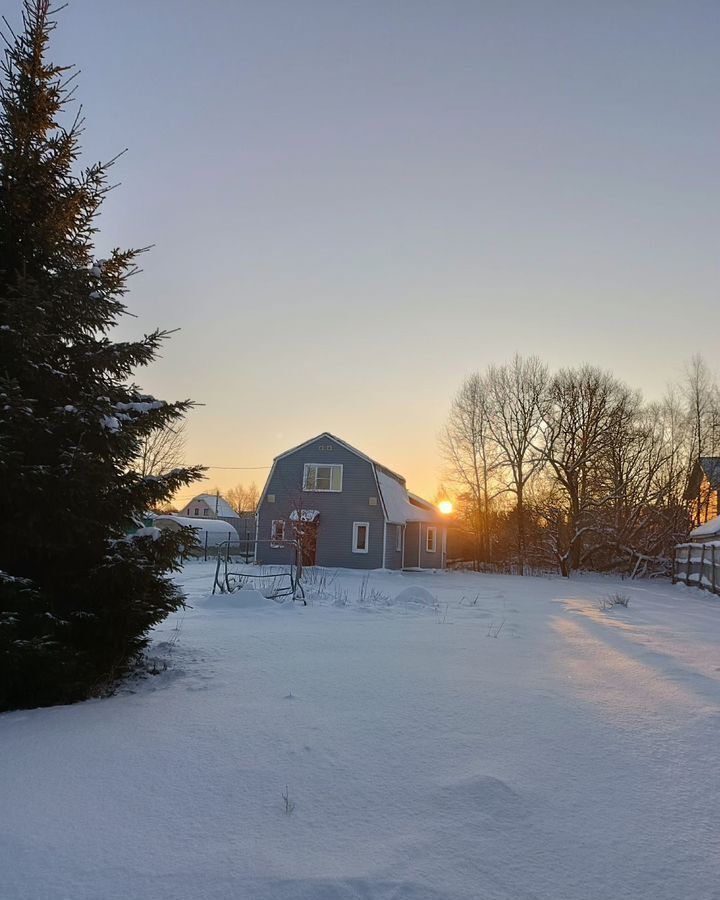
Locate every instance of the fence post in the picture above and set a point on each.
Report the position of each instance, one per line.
(673, 579)
(713, 576)
(206, 537)
(687, 567)
(702, 568)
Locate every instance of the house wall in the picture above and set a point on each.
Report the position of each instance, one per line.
(393, 557)
(431, 560)
(338, 511)
(244, 524)
(412, 560)
(203, 508)
(703, 491)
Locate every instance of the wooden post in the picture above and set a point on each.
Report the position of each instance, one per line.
(673, 566)
(713, 577)
(687, 567)
(702, 568)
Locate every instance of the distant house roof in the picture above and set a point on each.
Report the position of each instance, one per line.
(711, 468)
(400, 506)
(707, 466)
(223, 507)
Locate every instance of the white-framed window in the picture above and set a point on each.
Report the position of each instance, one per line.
(277, 532)
(399, 538)
(317, 477)
(431, 539)
(361, 536)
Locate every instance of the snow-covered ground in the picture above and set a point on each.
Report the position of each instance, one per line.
(514, 741)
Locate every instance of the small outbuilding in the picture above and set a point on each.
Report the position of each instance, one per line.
(708, 531)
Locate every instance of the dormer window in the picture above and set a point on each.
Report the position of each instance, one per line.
(318, 477)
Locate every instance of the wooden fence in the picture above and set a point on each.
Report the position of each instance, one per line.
(698, 565)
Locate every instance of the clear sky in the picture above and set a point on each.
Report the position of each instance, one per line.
(355, 204)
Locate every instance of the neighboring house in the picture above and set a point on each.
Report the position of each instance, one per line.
(345, 510)
(211, 506)
(702, 490)
(210, 532)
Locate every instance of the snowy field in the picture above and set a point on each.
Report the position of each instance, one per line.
(513, 741)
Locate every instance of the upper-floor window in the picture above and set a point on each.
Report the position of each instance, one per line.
(206, 511)
(431, 539)
(322, 478)
(197, 511)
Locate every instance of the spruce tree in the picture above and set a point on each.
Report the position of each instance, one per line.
(77, 596)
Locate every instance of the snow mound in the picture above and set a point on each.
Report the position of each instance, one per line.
(243, 599)
(416, 595)
(484, 795)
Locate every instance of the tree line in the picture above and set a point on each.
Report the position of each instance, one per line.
(573, 468)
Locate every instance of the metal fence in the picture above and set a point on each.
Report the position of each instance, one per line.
(698, 565)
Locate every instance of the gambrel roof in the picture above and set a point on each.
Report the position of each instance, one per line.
(398, 505)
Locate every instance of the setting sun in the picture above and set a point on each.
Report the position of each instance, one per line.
(445, 507)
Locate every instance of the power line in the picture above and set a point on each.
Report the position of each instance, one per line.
(235, 467)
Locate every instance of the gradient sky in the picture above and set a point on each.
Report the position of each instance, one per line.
(355, 204)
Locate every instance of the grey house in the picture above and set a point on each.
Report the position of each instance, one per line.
(345, 510)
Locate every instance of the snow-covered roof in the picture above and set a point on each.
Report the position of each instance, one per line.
(209, 526)
(707, 529)
(396, 501)
(223, 507)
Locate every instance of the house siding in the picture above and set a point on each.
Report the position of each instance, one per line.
(412, 560)
(431, 560)
(337, 511)
(393, 557)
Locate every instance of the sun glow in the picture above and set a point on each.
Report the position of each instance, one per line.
(445, 507)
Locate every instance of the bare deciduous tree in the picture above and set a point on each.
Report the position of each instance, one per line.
(472, 458)
(243, 499)
(516, 401)
(598, 477)
(585, 407)
(162, 451)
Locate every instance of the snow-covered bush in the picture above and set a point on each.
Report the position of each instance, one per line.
(613, 600)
